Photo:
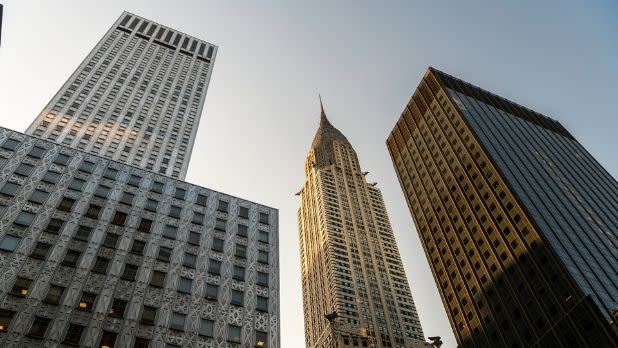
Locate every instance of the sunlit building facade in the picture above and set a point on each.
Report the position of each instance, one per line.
(518, 221)
(351, 269)
(136, 98)
(104, 251)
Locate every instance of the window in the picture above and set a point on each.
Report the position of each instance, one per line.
(71, 258)
(264, 218)
(233, 333)
(261, 339)
(170, 231)
(148, 315)
(10, 144)
(39, 327)
(38, 196)
(157, 187)
(77, 184)
(242, 231)
(217, 244)
(127, 198)
(194, 238)
(86, 166)
(108, 339)
(54, 226)
(130, 271)
(9, 189)
(261, 303)
(110, 240)
(177, 321)
(24, 219)
(262, 278)
(51, 177)
(83, 233)
(263, 256)
(201, 200)
(214, 266)
(134, 180)
(40, 251)
(184, 285)
(243, 212)
(111, 173)
(118, 308)
(138, 247)
(222, 206)
(212, 291)
(239, 273)
(36, 152)
(74, 334)
(141, 342)
(100, 266)
(164, 254)
(180, 193)
(151, 205)
(220, 224)
(198, 218)
(207, 328)
(54, 294)
(263, 236)
(241, 250)
(144, 225)
(5, 319)
(189, 260)
(237, 298)
(62, 159)
(158, 279)
(102, 191)
(87, 301)
(119, 218)
(21, 287)
(24, 169)
(93, 211)
(175, 211)
(9, 243)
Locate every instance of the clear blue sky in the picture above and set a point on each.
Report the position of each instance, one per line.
(557, 57)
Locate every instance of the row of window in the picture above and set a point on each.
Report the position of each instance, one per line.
(74, 333)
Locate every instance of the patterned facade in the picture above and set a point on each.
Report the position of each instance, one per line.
(518, 221)
(98, 253)
(136, 98)
(350, 263)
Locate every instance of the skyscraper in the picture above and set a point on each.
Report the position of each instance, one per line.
(518, 221)
(100, 253)
(351, 270)
(136, 98)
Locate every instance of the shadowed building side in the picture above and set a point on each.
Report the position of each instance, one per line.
(517, 220)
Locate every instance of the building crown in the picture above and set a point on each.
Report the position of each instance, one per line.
(324, 140)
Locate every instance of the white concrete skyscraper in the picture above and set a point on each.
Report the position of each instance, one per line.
(137, 97)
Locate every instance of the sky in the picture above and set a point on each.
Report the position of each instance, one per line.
(365, 58)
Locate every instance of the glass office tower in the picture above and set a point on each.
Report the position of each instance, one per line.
(98, 249)
(355, 291)
(518, 221)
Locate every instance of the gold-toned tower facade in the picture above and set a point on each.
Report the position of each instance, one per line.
(518, 221)
(351, 268)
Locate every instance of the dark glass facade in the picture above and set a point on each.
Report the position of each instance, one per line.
(518, 221)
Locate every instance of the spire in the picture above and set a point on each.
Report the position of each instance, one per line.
(321, 107)
(324, 139)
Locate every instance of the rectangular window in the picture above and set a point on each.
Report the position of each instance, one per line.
(202, 200)
(39, 327)
(71, 258)
(24, 169)
(87, 301)
(217, 244)
(170, 231)
(175, 211)
(234, 333)
(102, 191)
(51, 177)
(157, 187)
(220, 224)
(38, 196)
(262, 278)
(83, 233)
(237, 298)
(223, 206)
(138, 247)
(127, 198)
(180, 193)
(77, 184)
(184, 285)
(164, 254)
(74, 334)
(54, 226)
(214, 266)
(177, 321)
(148, 315)
(207, 328)
(239, 273)
(151, 205)
(243, 212)
(130, 271)
(100, 266)
(194, 238)
(242, 231)
(6, 317)
(134, 180)
(21, 287)
(198, 218)
(212, 291)
(141, 342)
(261, 339)
(93, 211)
(189, 260)
(263, 256)
(263, 236)
(158, 279)
(264, 218)
(261, 303)
(110, 240)
(119, 218)
(10, 189)
(9, 243)
(108, 339)
(241, 250)
(144, 225)
(24, 219)
(54, 294)
(40, 251)
(118, 308)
